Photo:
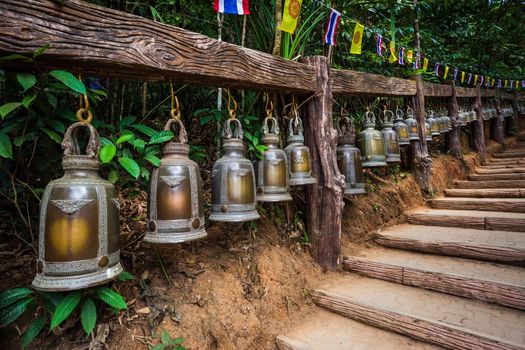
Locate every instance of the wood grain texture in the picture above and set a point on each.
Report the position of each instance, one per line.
(428, 330)
(512, 170)
(446, 220)
(465, 92)
(490, 184)
(453, 139)
(476, 220)
(478, 137)
(325, 199)
(505, 224)
(436, 90)
(490, 177)
(96, 40)
(443, 281)
(486, 193)
(513, 205)
(514, 154)
(347, 82)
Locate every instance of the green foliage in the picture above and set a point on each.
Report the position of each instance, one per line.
(65, 308)
(88, 315)
(111, 298)
(169, 343)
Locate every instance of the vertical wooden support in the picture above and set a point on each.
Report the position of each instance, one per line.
(325, 199)
(421, 161)
(498, 131)
(515, 124)
(478, 141)
(454, 145)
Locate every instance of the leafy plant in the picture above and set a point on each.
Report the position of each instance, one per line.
(169, 343)
(54, 308)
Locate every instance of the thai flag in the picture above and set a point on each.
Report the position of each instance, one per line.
(379, 44)
(232, 7)
(331, 29)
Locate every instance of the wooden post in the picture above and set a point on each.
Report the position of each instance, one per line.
(325, 199)
(454, 145)
(478, 140)
(515, 126)
(498, 131)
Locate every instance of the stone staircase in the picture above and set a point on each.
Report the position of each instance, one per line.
(452, 277)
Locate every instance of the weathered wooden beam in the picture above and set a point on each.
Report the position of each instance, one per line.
(465, 92)
(436, 90)
(325, 199)
(453, 143)
(348, 82)
(478, 140)
(96, 40)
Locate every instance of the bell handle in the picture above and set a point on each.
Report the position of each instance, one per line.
(70, 144)
(410, 112)
(399, 114)
(270, 126)
(389, 116)
(344, 125)
(295, 126)
(183, 135)
(370, 117)
(237, 133)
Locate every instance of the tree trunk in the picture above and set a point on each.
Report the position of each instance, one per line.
(278, 14)
(514, 120)
(453, 145)
(325, 199)
(498, 131)
(478, 141)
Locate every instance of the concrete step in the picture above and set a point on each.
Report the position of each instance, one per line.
(491, 177)
(494, 283)
(445, 320)
(462, 184)
(486, 193)
(515, 205)
(329, 331)
(498, 246)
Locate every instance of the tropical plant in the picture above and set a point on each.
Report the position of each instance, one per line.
(169, 343)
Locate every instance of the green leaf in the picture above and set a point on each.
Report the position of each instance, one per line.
(139, 144)
(6, 149)
(153, 159)
(28, 99)
(88, 316)
(159, 347)
(146, 130)
(52, 135)
(206, 119)
(160, 137)
(111, 298)
(126, 276)
(27, 80)
(177, 341)
(107, 153)
(69, 80)
(113, 176)
(40, 50)
(130, 166)
(124, 138)
(104, 141)
(14, 311)
(165, 337)
(8, 108)
(51, 300)
(10, 296)
(19, 140)
(15, 57)
(125, 122)
(33, 330)
(57, 125)
(65, 308)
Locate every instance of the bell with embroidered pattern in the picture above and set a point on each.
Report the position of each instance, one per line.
(349, 158)
(272, 170)
(78, 245)
(371, 144)
(176, 206)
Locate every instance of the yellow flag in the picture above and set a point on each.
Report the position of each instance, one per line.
(410, 56)
(292, 10)
(425, 63)
(446, 72)
(357, 39)
(493, 81)
(392, 57)
(462, 77)
(516, 84)
(475, 79)
(506, 81)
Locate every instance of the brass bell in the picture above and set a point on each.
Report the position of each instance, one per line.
(433, 124)
(298, 155)
(401, 129)
(78, 245)
(233, 180)
(462, 117)
(474, 115)
(349, 158)
(176, 209)
(272, 170)
(428, 131)
(371, 144)
(393, 155)
(411, 122)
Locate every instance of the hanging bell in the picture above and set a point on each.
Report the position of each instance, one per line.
(474, 115)
(371, 144)
(298, 155)
(272, 170)
(401, 129)
(433, 124)
(393, 155)
(233, 180)
(78, 245)
(349, 158)
(411, 122)
(462, 117)
(428, 131)
(176, 209)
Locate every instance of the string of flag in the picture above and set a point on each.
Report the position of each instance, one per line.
(292, 10)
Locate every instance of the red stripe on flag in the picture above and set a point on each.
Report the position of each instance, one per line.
(335, 29)
(246, 7)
